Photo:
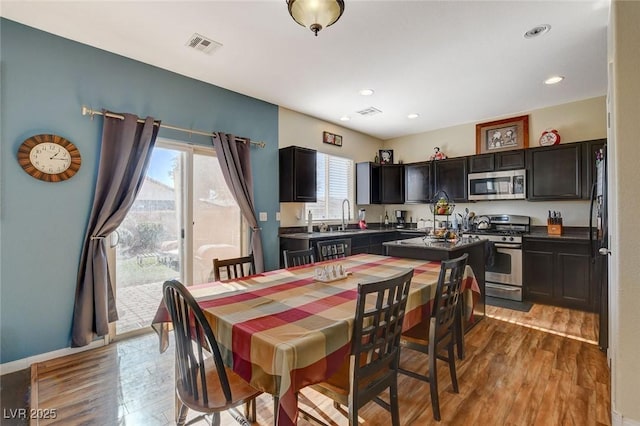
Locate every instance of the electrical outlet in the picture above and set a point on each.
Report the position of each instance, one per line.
(263, 216)
(278, 216)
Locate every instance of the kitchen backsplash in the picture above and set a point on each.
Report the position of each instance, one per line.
(574, 213)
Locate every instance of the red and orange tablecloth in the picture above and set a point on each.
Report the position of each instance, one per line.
(283, 330)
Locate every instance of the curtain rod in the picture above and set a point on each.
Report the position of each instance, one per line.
(91, 112)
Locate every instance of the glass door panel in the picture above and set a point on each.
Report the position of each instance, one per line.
(150, 246)
(217, 223)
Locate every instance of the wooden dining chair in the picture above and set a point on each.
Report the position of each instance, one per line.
(334, 249)
(236, 267)
(372, 366)
(442, 332)
(203, 383)
(298, 257)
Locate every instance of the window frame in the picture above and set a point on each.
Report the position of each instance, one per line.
(350, 189)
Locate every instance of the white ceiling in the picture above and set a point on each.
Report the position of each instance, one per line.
(452, 62)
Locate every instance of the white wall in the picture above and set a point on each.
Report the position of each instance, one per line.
(575, 121)
(625, 290)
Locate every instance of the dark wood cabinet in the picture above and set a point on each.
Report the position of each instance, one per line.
(451, 176)
(392, 184)
(367, 183)
(555, 172)
(558, 272)
(297, 174)
(418, 187)
(505, 160)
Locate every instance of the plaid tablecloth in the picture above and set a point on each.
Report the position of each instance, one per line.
(283, 330)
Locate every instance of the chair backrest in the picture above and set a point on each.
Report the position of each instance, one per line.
(446, 302)
(298, 257)
(237, 267)
(334, 249)
(375, 346)
(193, 336)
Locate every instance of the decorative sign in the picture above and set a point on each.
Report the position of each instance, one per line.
(331, 139)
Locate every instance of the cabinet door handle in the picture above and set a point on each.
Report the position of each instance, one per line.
(604, 251)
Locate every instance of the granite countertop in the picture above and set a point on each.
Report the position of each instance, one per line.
(569, 233)
(348, 233)
(429, 243)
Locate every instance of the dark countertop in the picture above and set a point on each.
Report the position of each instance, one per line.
(432, 244)
(348, 233)
(569, 233)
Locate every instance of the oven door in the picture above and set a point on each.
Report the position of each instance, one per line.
(506, 267)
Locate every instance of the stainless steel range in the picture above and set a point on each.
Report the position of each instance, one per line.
(503, 274)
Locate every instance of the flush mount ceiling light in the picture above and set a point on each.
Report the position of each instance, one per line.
(537, 31)
(345, 118)
(366, 92)
(554, 80)
(413, 115)
(315, 14)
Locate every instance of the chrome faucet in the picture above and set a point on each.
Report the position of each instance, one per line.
(344, 224)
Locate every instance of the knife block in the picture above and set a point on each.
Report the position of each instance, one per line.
(554, 229)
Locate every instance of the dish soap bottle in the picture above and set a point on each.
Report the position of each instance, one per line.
(309, 222)
(386, 219)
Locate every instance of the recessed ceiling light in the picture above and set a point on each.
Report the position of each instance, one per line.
(413, 115)
(366, 92)
(554, 80)
(345, 118)
(537, 31)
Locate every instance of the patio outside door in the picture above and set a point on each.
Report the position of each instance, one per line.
(184, 216)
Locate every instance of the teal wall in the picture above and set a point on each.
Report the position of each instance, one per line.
(44, 81)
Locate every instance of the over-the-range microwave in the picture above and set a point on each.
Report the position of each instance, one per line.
(505, 185)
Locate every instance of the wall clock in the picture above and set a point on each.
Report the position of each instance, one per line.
(549, 137)
(50, 158)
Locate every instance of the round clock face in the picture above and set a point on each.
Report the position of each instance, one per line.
(549, 138)
(50, 158)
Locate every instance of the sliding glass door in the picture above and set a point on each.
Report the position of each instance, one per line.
(184, 216)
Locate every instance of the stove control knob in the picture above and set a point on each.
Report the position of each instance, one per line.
(504, 238)
(510, 238)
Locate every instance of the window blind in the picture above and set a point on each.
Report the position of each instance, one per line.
(334, 184)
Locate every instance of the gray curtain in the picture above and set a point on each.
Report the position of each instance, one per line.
(235, 163)
(124, 157)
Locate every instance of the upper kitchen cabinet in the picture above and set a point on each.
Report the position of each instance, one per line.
(505, 160)
(392, 184)
(297, 175)
(418, 187)
(451, 176)
(589, 151)
(368, 183)
(555, 172)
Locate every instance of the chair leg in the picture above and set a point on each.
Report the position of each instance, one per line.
(433, 385)
(452, 368)
(393, 400)
(181, 415)
(250, 410)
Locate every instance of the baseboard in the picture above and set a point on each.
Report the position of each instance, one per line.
(618, 419)
(21, 364)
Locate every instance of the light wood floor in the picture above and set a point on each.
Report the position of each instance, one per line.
(512, 375)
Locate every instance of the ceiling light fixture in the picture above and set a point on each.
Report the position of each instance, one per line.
(315, 14)
(366, 92)
(554, 80)
(537, 31)
(413, 115)
(345, 118)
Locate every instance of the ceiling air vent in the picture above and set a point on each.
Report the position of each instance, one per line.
(202, 43)
(368, 112)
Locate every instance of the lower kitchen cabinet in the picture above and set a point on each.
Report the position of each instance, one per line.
(558, 272)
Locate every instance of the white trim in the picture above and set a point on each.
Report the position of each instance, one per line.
(618, 419)
(21, 364)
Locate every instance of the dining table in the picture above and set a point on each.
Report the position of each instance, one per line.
(286, 329)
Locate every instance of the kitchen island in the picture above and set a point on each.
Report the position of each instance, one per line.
(426, 248)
